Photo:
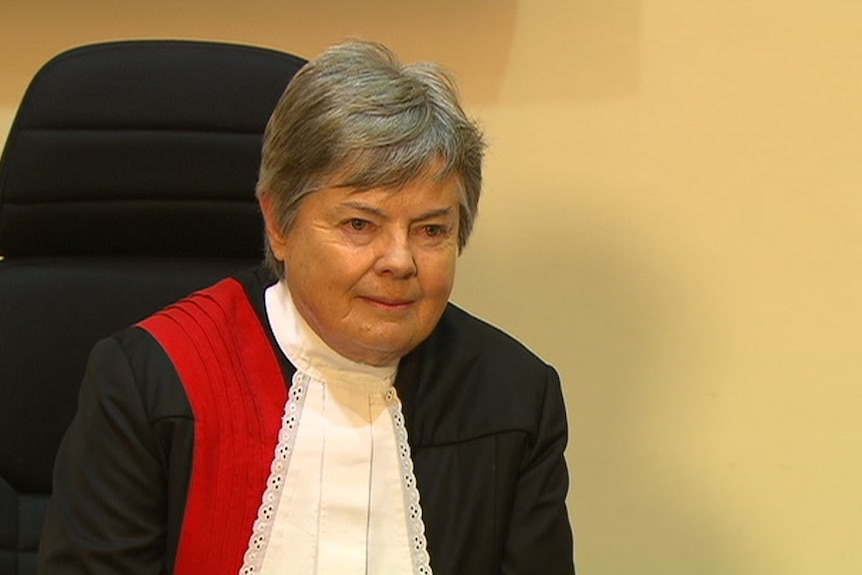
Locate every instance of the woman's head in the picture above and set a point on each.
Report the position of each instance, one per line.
(369, 187)
(356, 118)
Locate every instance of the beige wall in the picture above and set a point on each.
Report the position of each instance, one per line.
(672, 217)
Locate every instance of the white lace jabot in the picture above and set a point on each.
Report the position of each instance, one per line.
(341, 498)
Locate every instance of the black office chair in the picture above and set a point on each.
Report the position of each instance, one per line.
(127, 181)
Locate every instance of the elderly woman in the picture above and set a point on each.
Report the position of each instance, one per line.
(331, 413)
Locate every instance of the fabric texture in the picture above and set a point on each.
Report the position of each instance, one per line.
(486, 426)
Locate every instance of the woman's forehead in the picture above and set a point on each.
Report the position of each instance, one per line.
(372, 169)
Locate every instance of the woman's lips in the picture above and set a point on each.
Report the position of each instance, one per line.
(389, 304)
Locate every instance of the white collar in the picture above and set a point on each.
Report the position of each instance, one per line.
(310, 354)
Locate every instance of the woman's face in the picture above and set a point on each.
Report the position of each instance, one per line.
(371, 271)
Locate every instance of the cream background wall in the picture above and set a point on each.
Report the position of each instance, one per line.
(672, 217)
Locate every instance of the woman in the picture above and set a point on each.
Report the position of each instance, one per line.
(331, 413)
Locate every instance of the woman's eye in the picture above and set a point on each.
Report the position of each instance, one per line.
(358, 225)
(434, 230)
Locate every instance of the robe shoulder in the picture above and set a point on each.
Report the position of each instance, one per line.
(470, 378)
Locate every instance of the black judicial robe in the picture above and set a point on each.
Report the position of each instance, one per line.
(486, 426)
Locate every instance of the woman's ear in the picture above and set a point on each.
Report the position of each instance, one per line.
(277, 238)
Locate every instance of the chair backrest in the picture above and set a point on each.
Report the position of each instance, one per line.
(127, 181)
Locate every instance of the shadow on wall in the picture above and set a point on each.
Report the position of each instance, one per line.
(575, 51)
(605, 312)
(473, 37)
(541, 51)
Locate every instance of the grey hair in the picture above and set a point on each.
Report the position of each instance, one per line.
(355, 117)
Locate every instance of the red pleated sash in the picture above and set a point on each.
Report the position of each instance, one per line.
(237, 392)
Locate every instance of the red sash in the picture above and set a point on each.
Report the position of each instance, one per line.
(237, 393)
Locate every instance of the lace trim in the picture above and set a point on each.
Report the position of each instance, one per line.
(262, 529)
(415, 525)
(260, 533)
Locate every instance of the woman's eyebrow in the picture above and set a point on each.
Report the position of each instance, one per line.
(365, 208)
(430, 214)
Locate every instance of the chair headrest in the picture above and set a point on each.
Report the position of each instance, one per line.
(145, 148)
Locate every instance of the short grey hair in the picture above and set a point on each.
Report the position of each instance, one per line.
(355, 117)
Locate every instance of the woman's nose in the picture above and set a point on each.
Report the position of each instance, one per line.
(396, 257)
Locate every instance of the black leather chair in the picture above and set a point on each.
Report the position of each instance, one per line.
(127, 181)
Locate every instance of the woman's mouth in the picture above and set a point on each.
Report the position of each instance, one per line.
(388, 304)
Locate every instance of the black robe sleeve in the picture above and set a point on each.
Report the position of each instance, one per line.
(540, 537)
(110, 510)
